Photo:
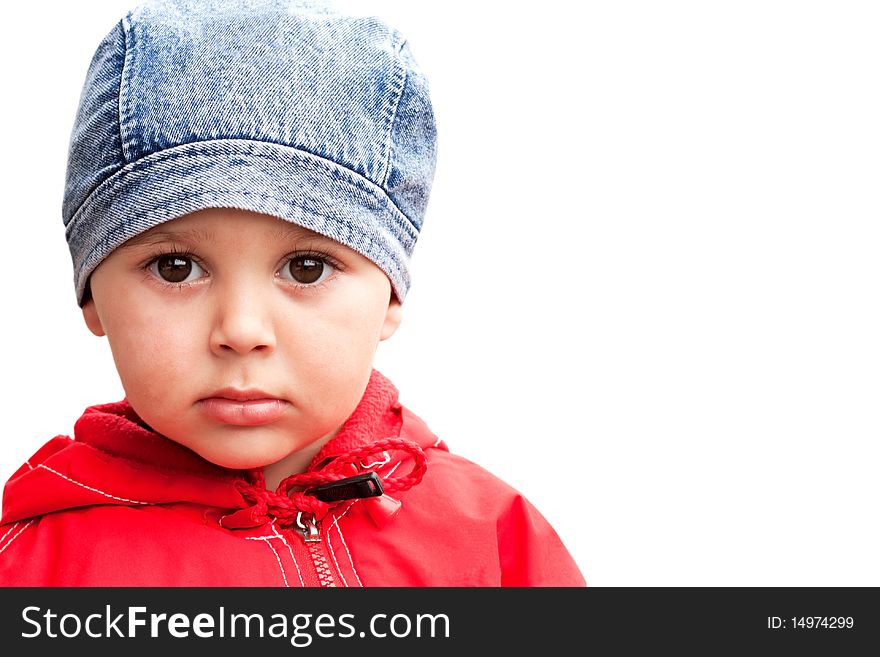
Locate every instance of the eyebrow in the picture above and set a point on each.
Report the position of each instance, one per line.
(192, 235)
(292, 231)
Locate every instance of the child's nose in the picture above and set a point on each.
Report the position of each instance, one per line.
(242, 325)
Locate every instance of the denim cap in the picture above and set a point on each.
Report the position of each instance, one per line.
(285, 108)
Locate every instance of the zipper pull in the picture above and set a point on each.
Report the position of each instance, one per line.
(309, 529)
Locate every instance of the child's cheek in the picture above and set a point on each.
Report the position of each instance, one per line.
(153, 355)
(345, 340)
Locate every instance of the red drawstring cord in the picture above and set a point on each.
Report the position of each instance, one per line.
(290, 498)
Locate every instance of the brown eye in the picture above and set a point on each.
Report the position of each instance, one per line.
(174, 268)
(306, 270)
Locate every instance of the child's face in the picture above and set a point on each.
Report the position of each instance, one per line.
(246, 338)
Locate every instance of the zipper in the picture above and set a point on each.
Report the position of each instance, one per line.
(310, 532)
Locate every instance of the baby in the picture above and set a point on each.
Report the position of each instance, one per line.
(246, 183)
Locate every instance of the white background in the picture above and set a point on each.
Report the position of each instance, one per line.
(645, 293)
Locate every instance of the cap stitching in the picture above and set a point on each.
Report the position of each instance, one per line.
(123, 104)
(400, 81)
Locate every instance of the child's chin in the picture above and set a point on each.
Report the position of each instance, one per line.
(244, 452)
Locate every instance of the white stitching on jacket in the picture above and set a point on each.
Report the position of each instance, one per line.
(30, 522)
(333, 524)
(266, 540)
(94, 490)
(14, 525)
(289, 549)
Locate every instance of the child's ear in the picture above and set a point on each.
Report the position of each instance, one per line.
(90, 314)
(392, 318)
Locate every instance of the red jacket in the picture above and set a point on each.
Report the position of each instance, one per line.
(123, 506)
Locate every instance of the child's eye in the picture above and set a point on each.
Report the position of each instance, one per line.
(176, 268)
(306, 270)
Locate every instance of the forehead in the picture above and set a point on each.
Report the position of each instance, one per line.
(214, 224)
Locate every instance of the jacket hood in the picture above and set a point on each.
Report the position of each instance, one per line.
(115, 458)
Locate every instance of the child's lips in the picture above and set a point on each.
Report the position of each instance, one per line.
(243, 412)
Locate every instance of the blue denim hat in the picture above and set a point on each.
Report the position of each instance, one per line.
(281, 107)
